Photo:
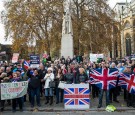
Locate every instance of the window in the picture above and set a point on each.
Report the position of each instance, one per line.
(128, 44)
(134, 23)
(127, 24)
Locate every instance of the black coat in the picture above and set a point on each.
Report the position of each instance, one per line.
(69, 78)
(57, 80)
(34, 82)
(81, 78)
(42, 73)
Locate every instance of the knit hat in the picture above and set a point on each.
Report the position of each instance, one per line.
(50, 69)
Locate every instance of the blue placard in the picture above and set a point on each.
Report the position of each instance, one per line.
(34, 59)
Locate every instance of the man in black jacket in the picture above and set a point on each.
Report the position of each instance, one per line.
(42, 71)
(34, 87)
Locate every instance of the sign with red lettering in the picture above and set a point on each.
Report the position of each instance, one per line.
(13, 90)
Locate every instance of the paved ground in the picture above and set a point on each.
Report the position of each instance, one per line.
(69, 113)
(59, 108)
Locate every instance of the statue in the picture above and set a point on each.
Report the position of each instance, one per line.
(66, 18)
(67, 32)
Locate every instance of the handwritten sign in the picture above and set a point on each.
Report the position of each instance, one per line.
(13, 90)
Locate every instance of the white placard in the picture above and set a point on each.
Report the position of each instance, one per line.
(15, 57)
(94, 57)
(13, 90)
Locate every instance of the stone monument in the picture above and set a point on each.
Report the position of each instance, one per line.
(67, 32)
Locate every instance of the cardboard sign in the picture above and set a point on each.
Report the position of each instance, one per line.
(13, 90)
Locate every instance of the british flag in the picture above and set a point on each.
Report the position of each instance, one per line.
(127, 81)
(104, 78)
(76, 96)
(26, 65)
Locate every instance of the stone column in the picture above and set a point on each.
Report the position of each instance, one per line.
(118, 48)
(122, 43)
(113, 53)
(132, 43)
(132, 34)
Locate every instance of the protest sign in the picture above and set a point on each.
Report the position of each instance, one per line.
(13, 90)
(94, 57)
(76, 96)
(15, 57)
(34, 61)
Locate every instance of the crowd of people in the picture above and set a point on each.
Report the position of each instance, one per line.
(72, 71)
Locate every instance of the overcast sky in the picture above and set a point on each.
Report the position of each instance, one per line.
(2, 33)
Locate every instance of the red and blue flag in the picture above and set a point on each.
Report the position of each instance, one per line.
(127, 81)
(104, 78)
(76, 96)
(26, 65)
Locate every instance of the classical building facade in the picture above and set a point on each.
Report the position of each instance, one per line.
(125, 15)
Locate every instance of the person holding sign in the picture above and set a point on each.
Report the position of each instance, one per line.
(3, 79)
(16, 100)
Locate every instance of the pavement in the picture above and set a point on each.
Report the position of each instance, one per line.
(69, 113)
(58, 109)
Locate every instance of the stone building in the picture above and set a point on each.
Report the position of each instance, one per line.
(125, 14)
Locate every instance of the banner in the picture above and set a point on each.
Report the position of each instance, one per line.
(34, 61)
(13, 90)
(94, 57)
(76, 96)
(15, 57)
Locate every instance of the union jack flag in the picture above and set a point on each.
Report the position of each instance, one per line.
(26, 65)
(75, 97)
(127, 81)
(104, 78)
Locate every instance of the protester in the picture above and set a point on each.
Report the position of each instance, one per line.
(69, 77)
(103, 64)
(59, 92)
(81, 76)
(95, 89)
(34, 85)
(113, 93)
(9, 72)
(42, 72)
(129, 96)
(4, 79)
(30, 73)
(48, 90)
(16, 100)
